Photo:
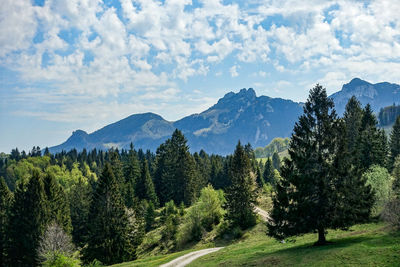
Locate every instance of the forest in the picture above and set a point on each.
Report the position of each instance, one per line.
(96, 208)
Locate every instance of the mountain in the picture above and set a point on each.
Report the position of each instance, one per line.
(146, 130)
(242, 115)
(378, 95)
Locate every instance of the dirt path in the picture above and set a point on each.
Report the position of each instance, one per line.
(188, 258)
(264, 215)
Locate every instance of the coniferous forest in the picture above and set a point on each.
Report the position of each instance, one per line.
(99, 207)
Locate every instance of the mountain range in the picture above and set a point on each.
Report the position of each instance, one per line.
(237, 116)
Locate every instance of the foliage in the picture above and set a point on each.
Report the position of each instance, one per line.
(170, 218)
(391, 212)
(388, 115)
(53, 244)
(277, 145)
(144, 188)
(61, 260)
(108, 239)
(240, 195)
(203, 215)
(394, 142)
(5, 204)
(380, 180)
(175, 175)
(314, 189)
(27, 222)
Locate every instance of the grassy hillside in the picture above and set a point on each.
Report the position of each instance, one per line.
(373, 244)
(365, 245)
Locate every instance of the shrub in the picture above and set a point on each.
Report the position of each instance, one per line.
(380, 181)
(391, 213)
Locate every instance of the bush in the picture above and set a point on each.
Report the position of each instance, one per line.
(55, 245)
(203, 215)
(60, 260)
(391, 213)
(381, 183)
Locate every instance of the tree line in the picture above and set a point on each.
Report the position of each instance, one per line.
(104, 202)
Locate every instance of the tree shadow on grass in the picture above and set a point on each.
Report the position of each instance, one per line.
(308, 252)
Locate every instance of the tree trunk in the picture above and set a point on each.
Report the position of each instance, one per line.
(321, 237)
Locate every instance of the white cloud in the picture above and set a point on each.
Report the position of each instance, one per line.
(233, 71)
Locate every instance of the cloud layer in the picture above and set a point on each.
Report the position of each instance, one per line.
(80, 59)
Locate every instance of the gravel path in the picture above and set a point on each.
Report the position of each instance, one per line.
(188, 258)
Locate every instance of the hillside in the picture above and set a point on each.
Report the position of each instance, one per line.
(364, 245)
(243, 115)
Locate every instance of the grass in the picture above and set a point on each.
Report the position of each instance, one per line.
(364, 245)
(373, 244)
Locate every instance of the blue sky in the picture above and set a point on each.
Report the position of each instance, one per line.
(82, 64)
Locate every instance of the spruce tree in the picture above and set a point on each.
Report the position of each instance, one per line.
(394, 143)
(132, 174)
(144, 188)
(372, 142)
(79, 200)
(108, 238)
(276, 161)
(268, 174)
(27, 222)
(315, 181)
(56, 203)
(352, 118)
(176, 177)
(240, 195)
(5, 204)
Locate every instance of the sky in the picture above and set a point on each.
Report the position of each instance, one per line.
(82, 64)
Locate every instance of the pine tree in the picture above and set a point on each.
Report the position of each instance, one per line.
(79, 200)
(394, 143)
(27, 222)
(5, 204)
(144, 188)
(108, 239)
(276, 161)
(372, 142)
(268, 174)
(56, 203)
(132, 174)
(240, 194)
(175, 175)
(315, 181)
(352, 117)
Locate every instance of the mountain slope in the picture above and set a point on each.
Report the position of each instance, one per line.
(378, 95)
(242, 115)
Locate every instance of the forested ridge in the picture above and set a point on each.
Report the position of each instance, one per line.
(100, 207)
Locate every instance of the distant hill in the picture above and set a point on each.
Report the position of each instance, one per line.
(242, 115)
(277, 145)
(387, 115)
(378, 95)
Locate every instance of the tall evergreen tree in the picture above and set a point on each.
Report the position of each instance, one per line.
(56, 203)
(240, 194)
(352, 117)
(268, 174)
(5, 204)
(132, 174)
(108, 239)
(175, 176)
(372, 142)
(309, 196)
(276, 161)
(79, 200)
(394, 143)
(27, 222)
(144, 187)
